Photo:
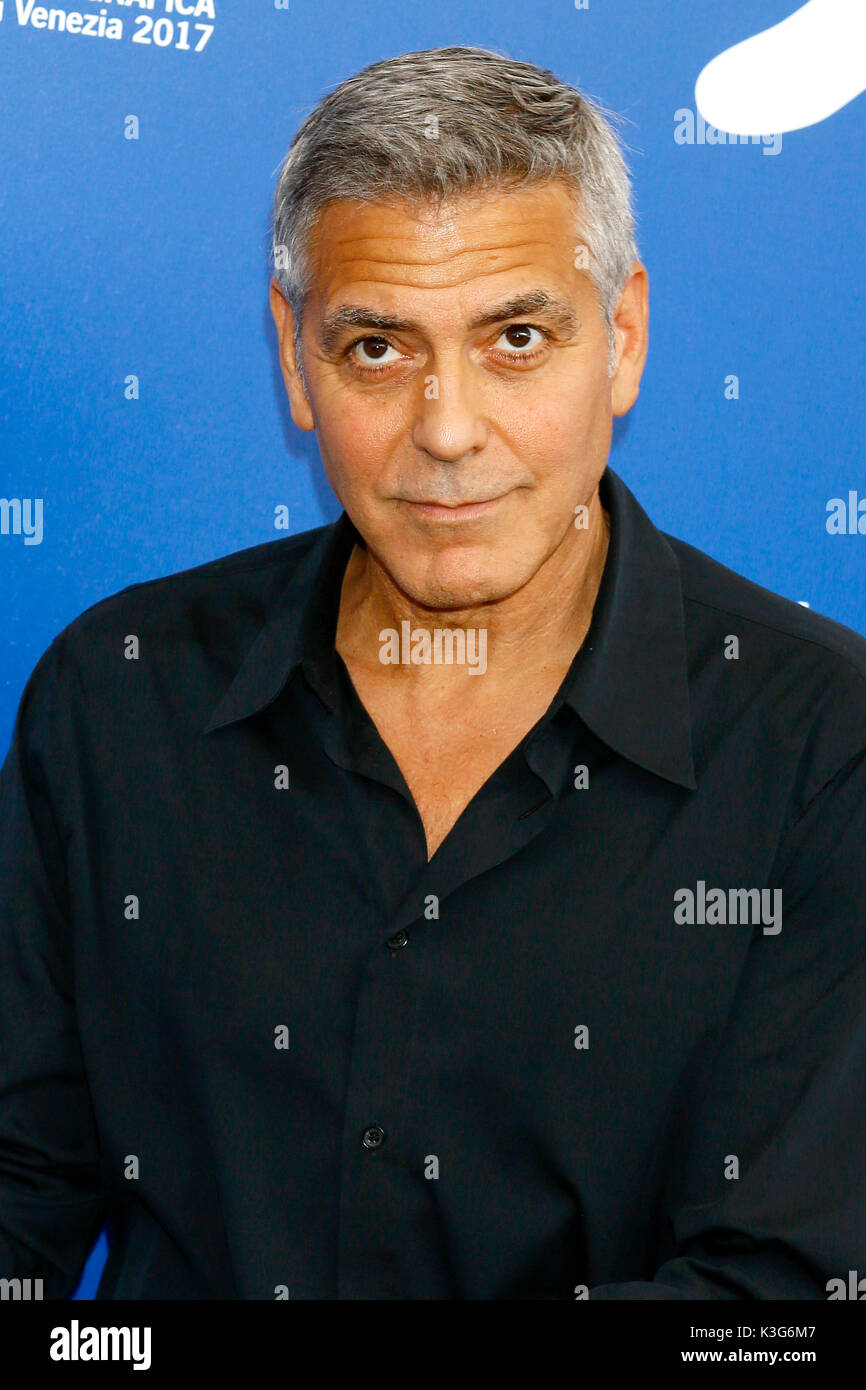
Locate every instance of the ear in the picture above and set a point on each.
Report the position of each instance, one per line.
(284, 319)
(631, 337)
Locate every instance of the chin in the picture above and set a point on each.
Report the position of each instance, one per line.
(456, 590)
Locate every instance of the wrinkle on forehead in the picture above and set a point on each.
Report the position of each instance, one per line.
(391, 238)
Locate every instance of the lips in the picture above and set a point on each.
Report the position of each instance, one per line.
(452, 506)
(446, 511)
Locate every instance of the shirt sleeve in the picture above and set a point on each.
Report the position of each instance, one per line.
(786, 1096)
(51, 1204)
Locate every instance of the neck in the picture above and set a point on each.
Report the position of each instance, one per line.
(530, 631)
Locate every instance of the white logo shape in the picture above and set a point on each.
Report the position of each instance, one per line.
(790, 76)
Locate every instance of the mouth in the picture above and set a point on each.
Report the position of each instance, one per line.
(465, 511)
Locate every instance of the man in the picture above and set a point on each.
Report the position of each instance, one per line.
(464, 900)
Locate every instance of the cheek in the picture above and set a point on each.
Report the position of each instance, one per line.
(547, 436)
(554, 426)
(358, 439)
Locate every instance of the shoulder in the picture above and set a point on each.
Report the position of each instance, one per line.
(242, 582)
(797, 677)
(214, 610)
(788, 627)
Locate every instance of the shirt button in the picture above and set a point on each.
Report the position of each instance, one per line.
(373, 1137)
(397, 940)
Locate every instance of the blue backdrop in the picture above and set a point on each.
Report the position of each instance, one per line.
(147, 257)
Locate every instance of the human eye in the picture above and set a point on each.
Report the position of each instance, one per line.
(368, 355)
(519, 343)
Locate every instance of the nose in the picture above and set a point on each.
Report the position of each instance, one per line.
(449, 423)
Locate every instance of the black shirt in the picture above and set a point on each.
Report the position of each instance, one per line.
(245, 1023)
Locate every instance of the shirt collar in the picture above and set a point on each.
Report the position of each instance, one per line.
(629, 681)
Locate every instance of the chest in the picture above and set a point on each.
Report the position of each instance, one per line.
(446, 753)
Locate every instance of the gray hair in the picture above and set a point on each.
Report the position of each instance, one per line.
(431, 125)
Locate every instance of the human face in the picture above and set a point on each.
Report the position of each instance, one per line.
(456, 362)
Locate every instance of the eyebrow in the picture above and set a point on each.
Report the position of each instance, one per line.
(534, 303)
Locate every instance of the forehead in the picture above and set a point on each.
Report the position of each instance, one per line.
(445, 244)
